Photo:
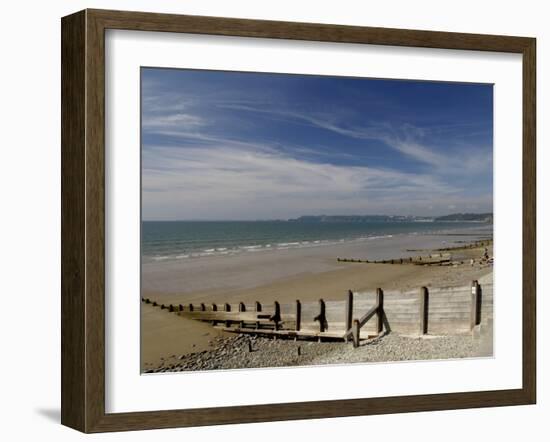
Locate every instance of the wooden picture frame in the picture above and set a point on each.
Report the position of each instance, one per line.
(83, 220)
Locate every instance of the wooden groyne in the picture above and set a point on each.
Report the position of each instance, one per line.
(450, 310)
(466, 246)
(435, 259)
(443, 257)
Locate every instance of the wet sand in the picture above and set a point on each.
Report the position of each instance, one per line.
(205, 276)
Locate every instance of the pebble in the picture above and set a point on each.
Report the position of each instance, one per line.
(232, 352)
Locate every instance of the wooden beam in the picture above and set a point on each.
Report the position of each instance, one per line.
(362, 321)
(308, 334)
(223, 316)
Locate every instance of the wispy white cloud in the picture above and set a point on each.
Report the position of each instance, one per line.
(226, 182)
(403, 139)
(177, 120)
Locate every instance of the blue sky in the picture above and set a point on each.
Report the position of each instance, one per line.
(234, 145)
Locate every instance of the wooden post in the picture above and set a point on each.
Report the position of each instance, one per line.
(258, 308)
(171, 308)
(276, 318)
(380, 310)
(356, 331)
(242, 308)
(321, 317)
(227, 308)
(424, 301)
(214, 309)
(181, 308)
(475, 311)
(349, 311)
(298, 315)
(473, 304)
(203, 307)
(479, 303)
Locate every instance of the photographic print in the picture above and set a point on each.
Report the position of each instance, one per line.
(297, 220)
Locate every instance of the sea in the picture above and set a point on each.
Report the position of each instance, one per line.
(175, 240)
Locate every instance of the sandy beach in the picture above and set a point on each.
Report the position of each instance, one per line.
(220, 278)
(307, 274)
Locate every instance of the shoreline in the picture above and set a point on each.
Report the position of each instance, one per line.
(245, 271)
(476, 229)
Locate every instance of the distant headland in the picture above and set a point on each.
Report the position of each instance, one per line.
(453, 217)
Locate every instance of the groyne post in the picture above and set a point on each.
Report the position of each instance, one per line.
(276, 318)
(349, 311)
(258, 308)
(242, 308)
(475, 309)
(321, 317)
(298, 315)
(355, 333)
(380, 310)
(424, 299)
(227, 308)
(214, 309)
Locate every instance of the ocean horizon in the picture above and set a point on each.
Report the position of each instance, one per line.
(175, 240)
